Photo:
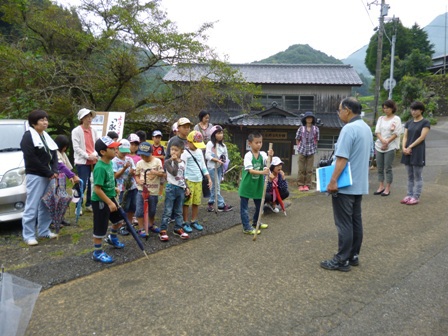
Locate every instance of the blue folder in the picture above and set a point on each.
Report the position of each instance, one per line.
(323, 177)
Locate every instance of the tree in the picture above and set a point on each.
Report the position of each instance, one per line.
(105, 54)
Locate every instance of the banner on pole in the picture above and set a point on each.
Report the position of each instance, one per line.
(105, 122)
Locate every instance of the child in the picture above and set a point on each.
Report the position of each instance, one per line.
(252, 182)
(276, 179)
(64, 166)
(158, 151)
(124, 169)
(183, 128)
(195, 169)
(103, 201)
(306, 138)
(113, 135)
(175, 192)
(151, 168)
(216, 155)
(134, 141)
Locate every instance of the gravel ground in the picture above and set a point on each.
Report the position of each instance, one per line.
(60, 260)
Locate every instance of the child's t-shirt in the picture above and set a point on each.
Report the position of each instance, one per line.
(152, 181)
(134, 157)
(193, 169)
(103, 176)
(173, 177)
(252, 186)
(159, 152)
(117, 165)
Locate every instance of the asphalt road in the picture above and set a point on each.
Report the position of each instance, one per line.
(226, 284)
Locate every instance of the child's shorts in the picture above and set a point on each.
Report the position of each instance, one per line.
(101, 217)
(152, 205)
(195, 193)
(130, 204)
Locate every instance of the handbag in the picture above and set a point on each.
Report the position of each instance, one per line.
(205, 189)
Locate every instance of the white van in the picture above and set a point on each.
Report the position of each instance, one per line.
(12, 170)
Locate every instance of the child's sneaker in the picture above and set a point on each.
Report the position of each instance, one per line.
(306, 188)
(225, 208)
(114, 242)
(262, 226)
(103, 257)
(181, 233)
(197, 226)
(251, 231)
(210, 208)
(163, 235)
(142, 234)
(123, 231)
(154, 229)
(413, 201)
(301, 188)
(187, 228)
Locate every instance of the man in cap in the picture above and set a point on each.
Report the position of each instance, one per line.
(83, 139)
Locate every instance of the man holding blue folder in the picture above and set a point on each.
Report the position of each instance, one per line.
(354, 145)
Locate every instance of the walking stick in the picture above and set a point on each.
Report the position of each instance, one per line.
(266, 178)
(216, 179)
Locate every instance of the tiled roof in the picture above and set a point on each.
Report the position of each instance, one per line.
(298, 74)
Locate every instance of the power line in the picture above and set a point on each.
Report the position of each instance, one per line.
(368, 14)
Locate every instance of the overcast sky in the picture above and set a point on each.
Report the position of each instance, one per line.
(251, 30)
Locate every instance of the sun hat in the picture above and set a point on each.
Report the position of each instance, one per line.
(183, 121)
(174, 127)
(156, 133)
(306, 115)
(144, 149)
(83, 112)
(104, 143)
(125, 146)
(196, 139)
(276, 161)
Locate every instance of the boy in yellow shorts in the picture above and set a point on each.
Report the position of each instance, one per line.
(194, 172)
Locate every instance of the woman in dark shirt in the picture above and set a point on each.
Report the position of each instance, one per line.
(415, 132)
(39, 153)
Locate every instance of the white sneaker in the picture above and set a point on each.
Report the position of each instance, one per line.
(51, 235)
(276, 210)
(32, 242)
(89, 208)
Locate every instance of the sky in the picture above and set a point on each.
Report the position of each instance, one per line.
(251, 30)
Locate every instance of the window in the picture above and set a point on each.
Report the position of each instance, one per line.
(327, 141)
(307, 103)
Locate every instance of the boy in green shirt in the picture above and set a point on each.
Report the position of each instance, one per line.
(103, 201)
(252, 182)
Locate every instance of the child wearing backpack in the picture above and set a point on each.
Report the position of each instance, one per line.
(307, 137)
(216, 155)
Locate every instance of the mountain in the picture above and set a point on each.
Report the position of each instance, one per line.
(300, 54)
(436, 35)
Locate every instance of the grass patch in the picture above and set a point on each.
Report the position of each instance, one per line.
(16, 267)
(76, 237)
(85, 251)
(57, 253)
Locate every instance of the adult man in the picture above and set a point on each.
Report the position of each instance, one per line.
(83, 139)
(354, 145)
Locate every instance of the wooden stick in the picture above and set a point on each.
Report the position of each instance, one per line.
(216, 179)
(266, 179)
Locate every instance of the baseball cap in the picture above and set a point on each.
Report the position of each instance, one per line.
(276, 161)
(83, 112)
(196, 138)
(104, 143)
(215, 129)
(183, 121)
(125, 146)
(174, 127)
(157, 133)
(145, 149)
(133, 138)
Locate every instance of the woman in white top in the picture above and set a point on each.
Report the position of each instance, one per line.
(388, 130)
(204, 126)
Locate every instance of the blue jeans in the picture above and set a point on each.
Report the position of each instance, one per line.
(174, 200)
(152, 205)
(84, 172)
(415, 181)
(211, 200)
(244, 208)
(35, 209)
(348, 221)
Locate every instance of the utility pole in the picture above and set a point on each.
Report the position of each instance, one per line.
(392, 58)
(379, 56)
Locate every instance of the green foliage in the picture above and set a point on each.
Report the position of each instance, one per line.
(300, 54)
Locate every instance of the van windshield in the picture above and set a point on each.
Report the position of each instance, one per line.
(10, 136)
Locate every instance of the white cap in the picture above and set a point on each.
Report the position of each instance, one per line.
(174, 127)
(83, 112)
(125, 146)
(133, 138)
(276, 161)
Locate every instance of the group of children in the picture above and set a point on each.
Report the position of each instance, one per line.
(142, 174)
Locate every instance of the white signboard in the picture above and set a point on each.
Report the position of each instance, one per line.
(105, 122)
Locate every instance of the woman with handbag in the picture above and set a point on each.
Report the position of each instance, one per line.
(41, 168)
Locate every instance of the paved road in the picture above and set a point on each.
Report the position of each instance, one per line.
(226, 284)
